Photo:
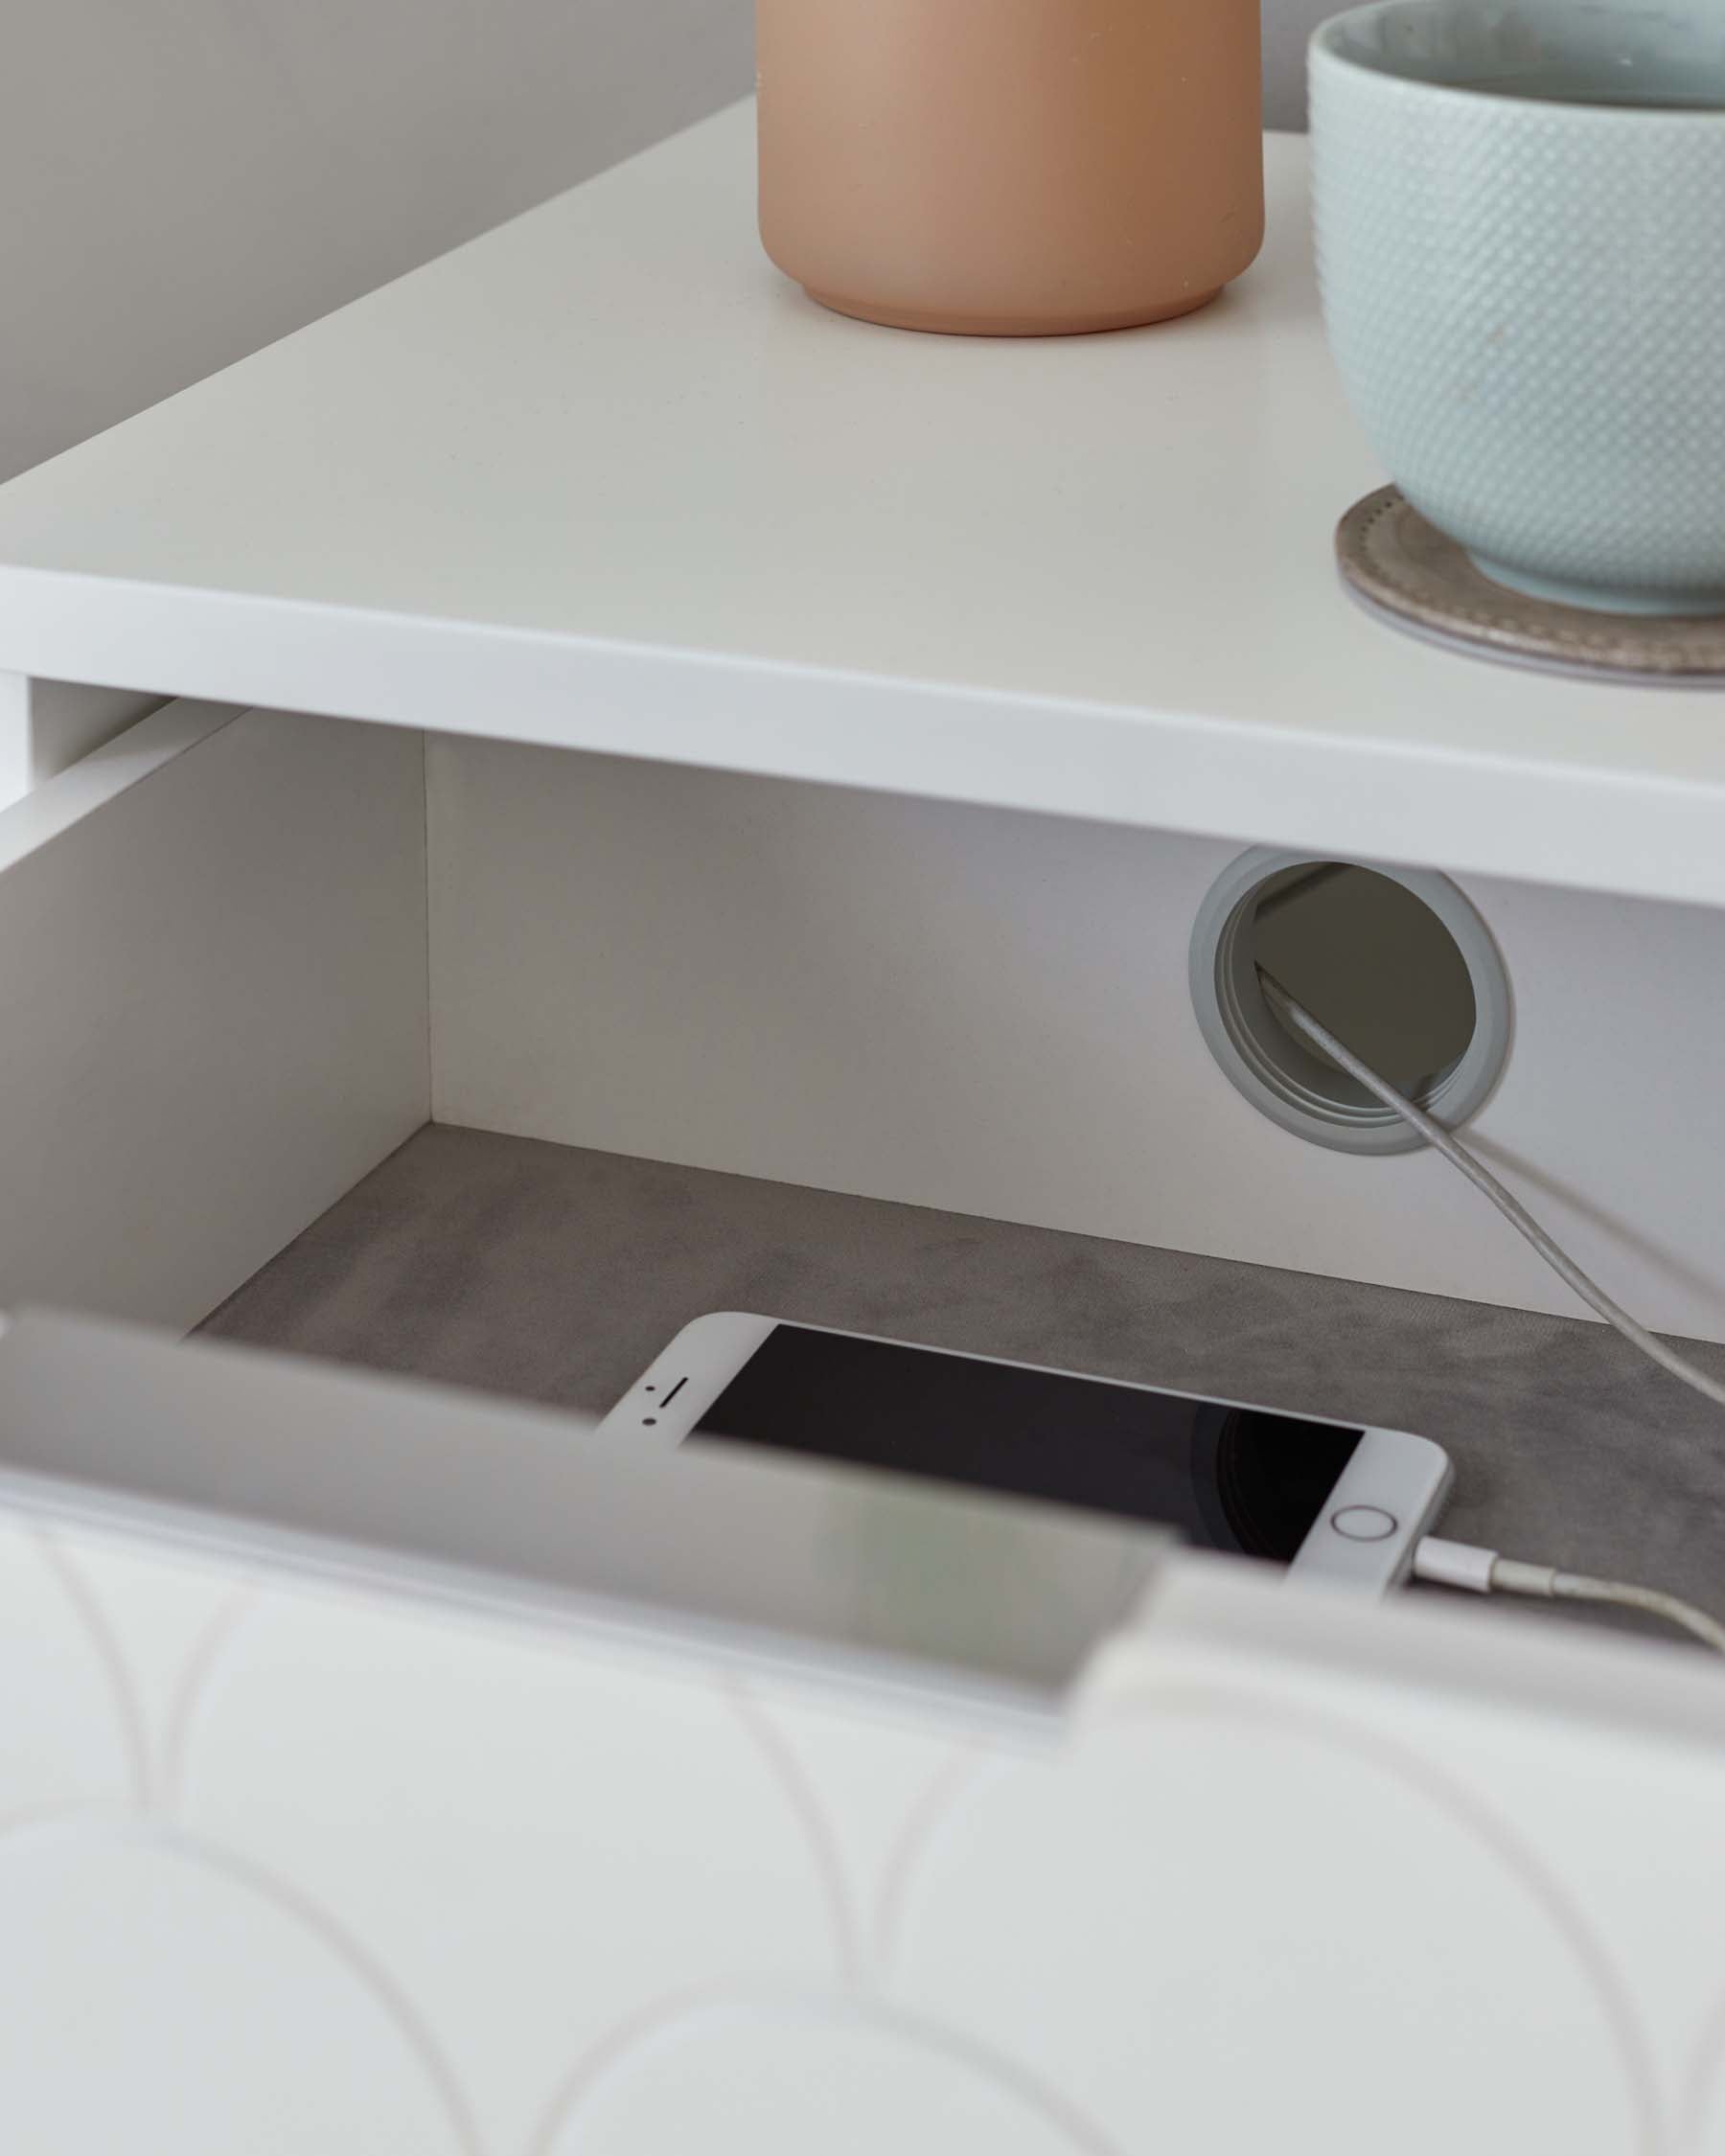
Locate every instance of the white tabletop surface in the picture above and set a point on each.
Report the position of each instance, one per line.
(603, 478)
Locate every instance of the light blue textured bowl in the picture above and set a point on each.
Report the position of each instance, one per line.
(1521, 237)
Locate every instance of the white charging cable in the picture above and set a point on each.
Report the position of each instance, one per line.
(1454, 1564)
(1288, 1006)
(1482, 1571)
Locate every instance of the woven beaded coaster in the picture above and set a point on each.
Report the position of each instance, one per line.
(1405, 571)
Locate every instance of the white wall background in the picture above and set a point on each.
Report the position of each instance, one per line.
(185, 180)
(1287, 26)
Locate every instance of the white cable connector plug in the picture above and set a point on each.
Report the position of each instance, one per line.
(1454, 1564)
(1482, 1571)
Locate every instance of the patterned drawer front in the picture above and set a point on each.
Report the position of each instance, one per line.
(285, 1869)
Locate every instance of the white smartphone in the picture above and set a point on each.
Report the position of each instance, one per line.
(1332, 1502)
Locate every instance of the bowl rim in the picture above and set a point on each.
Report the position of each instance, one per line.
(1325, 49)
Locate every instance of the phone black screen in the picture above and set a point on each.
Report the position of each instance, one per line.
(1228, 1477)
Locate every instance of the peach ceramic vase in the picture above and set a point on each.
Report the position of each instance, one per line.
(1011, 167)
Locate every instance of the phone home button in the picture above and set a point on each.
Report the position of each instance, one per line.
(1365, 1522)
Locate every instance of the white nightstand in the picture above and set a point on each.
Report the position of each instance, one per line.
(1055, 629)
(607, 700)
